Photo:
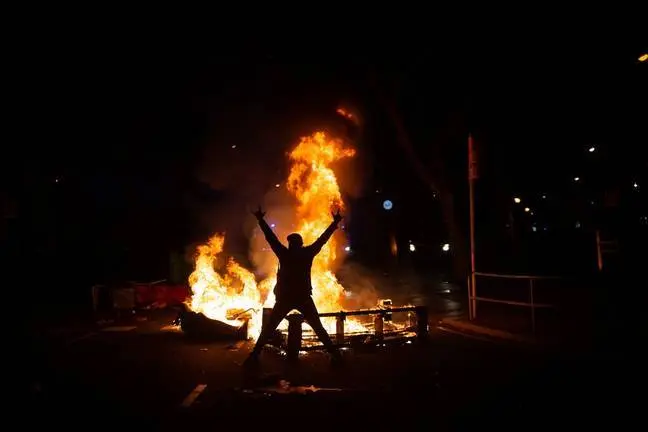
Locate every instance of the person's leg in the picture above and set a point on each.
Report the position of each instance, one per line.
(278, 313)
(309, 311)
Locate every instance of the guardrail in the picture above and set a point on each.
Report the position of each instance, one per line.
(295, 322)
(531, 304)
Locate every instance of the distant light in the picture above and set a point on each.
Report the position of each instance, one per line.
(277, 185)
(272, 225)
(534, 228)
(643, 57)
(387, 205)
(412, 247)
(527, 209)
(578, 224)
(544, 196)
(591, 149)
(576, 179)
(635, 185)
(445, 247)
(517, 200)
(233, 146)
(57, 180)
(347, 248)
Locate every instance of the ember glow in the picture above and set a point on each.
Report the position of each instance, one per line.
(345, 113)
(313, 184)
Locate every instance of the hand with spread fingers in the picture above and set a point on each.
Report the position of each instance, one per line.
(259, 214)
(337, 217)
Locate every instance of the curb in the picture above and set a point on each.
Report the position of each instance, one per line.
(455, 325)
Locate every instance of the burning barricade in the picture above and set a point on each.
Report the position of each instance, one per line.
(226, 298)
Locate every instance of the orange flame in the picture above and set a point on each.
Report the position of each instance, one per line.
(314, 185)
(224, 296)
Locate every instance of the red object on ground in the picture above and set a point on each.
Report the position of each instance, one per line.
(161, 295)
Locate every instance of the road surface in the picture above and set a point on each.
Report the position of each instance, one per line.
(148, 374)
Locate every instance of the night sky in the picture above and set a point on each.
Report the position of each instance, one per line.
(127, 150)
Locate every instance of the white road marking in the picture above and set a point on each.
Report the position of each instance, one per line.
(191, 397)
(119, 328)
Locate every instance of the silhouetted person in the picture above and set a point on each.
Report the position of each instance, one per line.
(293, 289)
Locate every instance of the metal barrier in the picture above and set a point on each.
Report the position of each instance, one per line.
(295, 325)
(474, 298)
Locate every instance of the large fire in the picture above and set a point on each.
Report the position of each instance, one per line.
(234, 291)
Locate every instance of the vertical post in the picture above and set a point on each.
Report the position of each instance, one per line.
(339, 328)
(470, 314)
(599, 255)
(411, 320)
(294, 335)
(378, 326)
(472, 174)
(533, 326)
(421, 323)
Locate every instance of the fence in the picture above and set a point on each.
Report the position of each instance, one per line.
(531, 303)
(295, 324)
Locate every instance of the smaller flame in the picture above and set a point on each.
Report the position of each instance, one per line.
(228, 296)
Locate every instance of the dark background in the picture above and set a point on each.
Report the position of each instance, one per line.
(125, 154)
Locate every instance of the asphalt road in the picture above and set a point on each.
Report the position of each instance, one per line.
(152, 377)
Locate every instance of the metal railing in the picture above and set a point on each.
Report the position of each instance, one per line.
(295, 322)
(531, 303)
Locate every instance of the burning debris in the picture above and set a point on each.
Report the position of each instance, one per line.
(230, 294)
(226, 298)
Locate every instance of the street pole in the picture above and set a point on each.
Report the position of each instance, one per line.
(599, 255)
(471, 179)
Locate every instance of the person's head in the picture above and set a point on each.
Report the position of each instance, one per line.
(295, 241)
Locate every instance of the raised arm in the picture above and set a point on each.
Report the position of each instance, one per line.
(317, 246)
(270, 236)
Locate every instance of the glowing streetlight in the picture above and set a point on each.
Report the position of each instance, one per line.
(517, 200)
(527, 209)
(277, 185)
(347, 248)
(233, 146)
(591, 149)
(576, 179)
(387, 205)
(635, 185)
(412, 247)
(445, 247)
(643, 58)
